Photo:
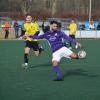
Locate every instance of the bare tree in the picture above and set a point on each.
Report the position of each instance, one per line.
(26, 6)
(54, 7)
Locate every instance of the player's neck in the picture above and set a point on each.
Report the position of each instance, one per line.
(53, 30)
(28, 22)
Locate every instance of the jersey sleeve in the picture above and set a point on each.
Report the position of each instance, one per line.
(68, 38)
(37, 36)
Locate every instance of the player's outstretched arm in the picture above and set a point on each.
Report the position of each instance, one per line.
(37, 36)
(71, 40)
(24, 36)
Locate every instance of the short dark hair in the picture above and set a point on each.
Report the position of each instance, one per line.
(28, 15)
(54, 22)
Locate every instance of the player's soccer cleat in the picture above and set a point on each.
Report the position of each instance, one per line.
(25, 65)
(58, 79)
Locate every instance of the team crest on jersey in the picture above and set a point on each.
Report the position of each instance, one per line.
(52, 38)
(56, 34)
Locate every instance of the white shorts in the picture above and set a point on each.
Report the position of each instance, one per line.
(62, 52)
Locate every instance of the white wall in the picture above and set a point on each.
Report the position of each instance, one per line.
(86, 34)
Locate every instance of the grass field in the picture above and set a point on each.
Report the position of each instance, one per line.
(81, 77)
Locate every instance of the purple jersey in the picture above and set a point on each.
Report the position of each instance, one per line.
(55, 39)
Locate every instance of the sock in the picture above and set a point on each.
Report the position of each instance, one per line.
(57, 71)
(40, 49)
(25, 58)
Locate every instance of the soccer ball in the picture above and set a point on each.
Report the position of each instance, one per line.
(82, 54)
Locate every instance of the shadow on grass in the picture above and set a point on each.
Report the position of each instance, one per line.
(79, 72)
(41, 65)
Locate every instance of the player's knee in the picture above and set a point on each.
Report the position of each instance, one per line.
(27, 50)
(55, 63)
(36, 53)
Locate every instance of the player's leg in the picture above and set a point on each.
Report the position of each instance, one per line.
(70, 44)
(56, 69)
(16, 33)
(6, 34)
(26, 53)
(74, 56)
(36, 53)
(66, 52)
(36, 48)
(55, 63)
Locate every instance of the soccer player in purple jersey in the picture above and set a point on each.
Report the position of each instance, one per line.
(58, 46)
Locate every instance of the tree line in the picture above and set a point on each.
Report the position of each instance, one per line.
(52, 8)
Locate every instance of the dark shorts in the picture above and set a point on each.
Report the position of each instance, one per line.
(33, 45)
(72, 36)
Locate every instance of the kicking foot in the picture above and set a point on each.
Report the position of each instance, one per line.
(58, 79)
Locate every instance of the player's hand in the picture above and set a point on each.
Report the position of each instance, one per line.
(78, 45)
(22, 37)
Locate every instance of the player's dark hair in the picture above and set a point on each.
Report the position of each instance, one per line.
(54, 22)
(28, 15)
